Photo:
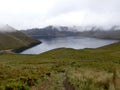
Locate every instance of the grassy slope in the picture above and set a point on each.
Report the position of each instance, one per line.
(86, 69)
(14, 40)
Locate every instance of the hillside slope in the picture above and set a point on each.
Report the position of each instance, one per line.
(10, 38)
(60, 69)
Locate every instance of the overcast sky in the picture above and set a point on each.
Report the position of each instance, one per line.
(23, 14)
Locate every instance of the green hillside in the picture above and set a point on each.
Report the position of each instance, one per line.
(13, 40)
(62, 69)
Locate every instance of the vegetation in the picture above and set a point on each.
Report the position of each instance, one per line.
(13, 40)
(62, 69)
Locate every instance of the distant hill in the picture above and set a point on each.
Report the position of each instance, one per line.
(112, 32)
(10, 38)
(51, 32)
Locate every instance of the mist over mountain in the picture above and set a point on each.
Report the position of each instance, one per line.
(7, 28)
(111, 32)
(51, 32)
(11, 38)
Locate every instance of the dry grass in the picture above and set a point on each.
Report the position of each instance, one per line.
(94, 79)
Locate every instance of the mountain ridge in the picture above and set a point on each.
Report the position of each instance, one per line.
(11, 38)
(111, 32)
(49, 32)
(7, 28)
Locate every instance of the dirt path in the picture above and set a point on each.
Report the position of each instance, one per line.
(6, 51)
(68, 85)
(42, 86)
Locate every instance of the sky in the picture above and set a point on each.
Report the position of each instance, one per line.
(24, 14)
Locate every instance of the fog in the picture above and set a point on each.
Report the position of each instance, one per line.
(23, 14)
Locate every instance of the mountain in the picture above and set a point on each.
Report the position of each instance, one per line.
(111, 32)
(51, 32)
(11, 38)
(6, 28)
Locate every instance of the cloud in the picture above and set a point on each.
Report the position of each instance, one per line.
(85, 12)
(24, 14)
(83, 18)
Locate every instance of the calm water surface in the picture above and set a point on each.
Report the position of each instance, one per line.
(67, 42)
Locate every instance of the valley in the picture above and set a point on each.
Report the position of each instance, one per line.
(62, 68)
(84, 69)
(59, 45)
(74, 42)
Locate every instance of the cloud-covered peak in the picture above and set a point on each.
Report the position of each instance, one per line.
(7, 28)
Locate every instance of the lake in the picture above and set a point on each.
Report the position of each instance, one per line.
(67, 42)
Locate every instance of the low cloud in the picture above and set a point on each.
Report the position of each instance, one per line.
(24, 14)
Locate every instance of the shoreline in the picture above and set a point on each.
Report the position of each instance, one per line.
(19, 50)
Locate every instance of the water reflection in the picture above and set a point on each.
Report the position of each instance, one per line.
(68, 42)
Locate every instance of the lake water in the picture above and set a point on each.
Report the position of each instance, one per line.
(67, 42)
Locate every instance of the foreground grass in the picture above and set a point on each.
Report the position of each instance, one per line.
(60, 69)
